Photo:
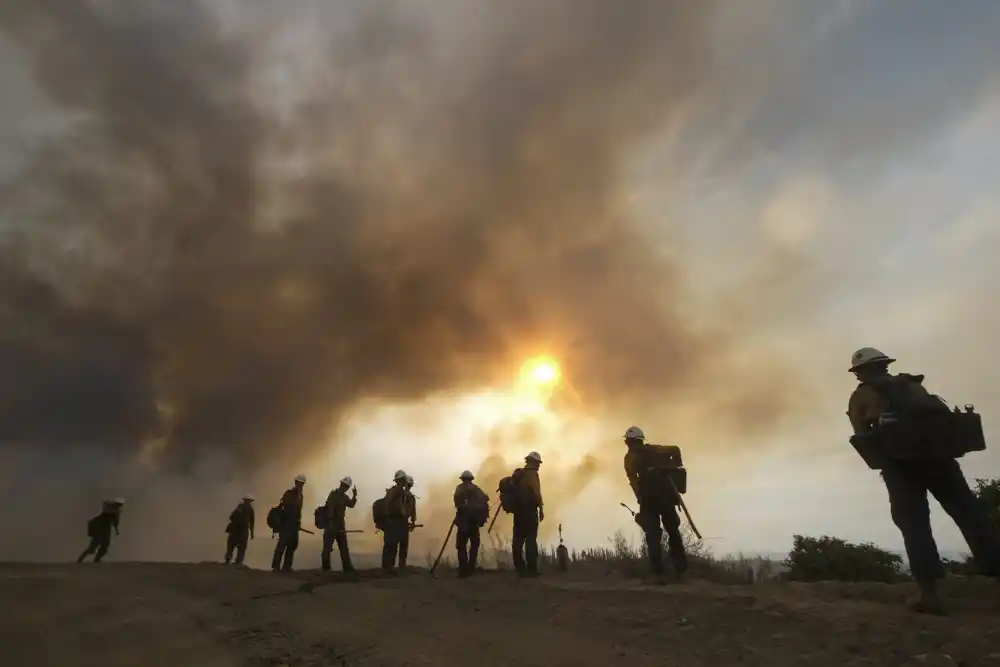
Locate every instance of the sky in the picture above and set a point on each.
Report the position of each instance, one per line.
(240, 242)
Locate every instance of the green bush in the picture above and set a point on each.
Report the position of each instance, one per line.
(988, 491)
(832, 559)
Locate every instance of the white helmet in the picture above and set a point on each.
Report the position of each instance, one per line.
(248, 496)
(634, 432)
(467, 476)
(868, 355)
(400, 474)
(534, 456)
(119, 501)
(300, 478)
(347, 481)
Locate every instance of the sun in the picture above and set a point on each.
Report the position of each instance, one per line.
(540, 372)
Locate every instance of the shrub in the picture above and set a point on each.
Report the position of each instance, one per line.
(988, 491)
(832, 559)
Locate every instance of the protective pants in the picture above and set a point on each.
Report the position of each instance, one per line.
(99, 544)
(237, 541)
(393, 534)
(284, 551)
(651, 516)
(331, 535)
(908, 483)
(467, 543)
(404, 544)
(525, 546)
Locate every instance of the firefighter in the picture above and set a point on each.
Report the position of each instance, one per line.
(528, 512)
(99, 529)
(472, 510)
(337, 504)
(657, 504)
(240, 530)
(908, 481)
(394, 523)
(289, 525)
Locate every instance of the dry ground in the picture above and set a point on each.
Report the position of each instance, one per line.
(175, 615)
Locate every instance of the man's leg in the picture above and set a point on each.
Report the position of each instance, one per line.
(911, 514)
(102, 548)
(389, 545)
(230, 547)
(518, 542)
(345, 553)
(91, 548)
(531, 542)
(950, 488)
(279, 550)
(404, 544)
(329, 534)
(650, 524)
(462, 546)
(678, 555)
(291, 546)
(241, 548)
(473, 548)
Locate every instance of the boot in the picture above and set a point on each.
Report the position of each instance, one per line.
(928, 601)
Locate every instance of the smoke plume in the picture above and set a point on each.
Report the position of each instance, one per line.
(241, 223)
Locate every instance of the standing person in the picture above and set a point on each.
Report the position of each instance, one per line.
(289, 525)
(528, 512)
(647, 468)
(472, 511)
(410, 513)
(99, 529)
(393, 522)
(240, 530)
(337, 504)
(882, 398)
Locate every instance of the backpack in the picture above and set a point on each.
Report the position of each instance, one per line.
(917, 426)
(379, 514)
(274, 518)
(662, 465)
(477, 507)
(92, 526)
(510, 491)
(907, 397)
(321, 517)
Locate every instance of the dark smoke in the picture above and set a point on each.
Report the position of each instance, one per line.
(165, 277)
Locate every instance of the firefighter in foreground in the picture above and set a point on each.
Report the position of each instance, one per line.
(528, 512)
(99, 529)
(648, 470)
(883, 399)
(337, 504)
(288, 524)
(240, 530)
(472, 511)
(390, 518)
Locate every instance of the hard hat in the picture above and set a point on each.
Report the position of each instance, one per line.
(346, 481)
(119, 501)
(634, 432)
(300, 478)
(467, 475)
(409, 480)
(868, 355)
(533, 456)
(248, 496)
(400, 474)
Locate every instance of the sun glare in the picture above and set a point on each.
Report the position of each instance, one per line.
(540, 371)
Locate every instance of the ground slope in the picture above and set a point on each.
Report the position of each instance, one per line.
(140, 615)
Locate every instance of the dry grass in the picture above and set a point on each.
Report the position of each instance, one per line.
(627, 557)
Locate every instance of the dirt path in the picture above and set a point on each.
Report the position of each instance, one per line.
(139, 615)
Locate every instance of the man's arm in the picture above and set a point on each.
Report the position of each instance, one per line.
(353, 500)
(632, 472)
(252, 516)
(459, 497)
(864, 408)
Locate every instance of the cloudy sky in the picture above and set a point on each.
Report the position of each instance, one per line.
(241, 241)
